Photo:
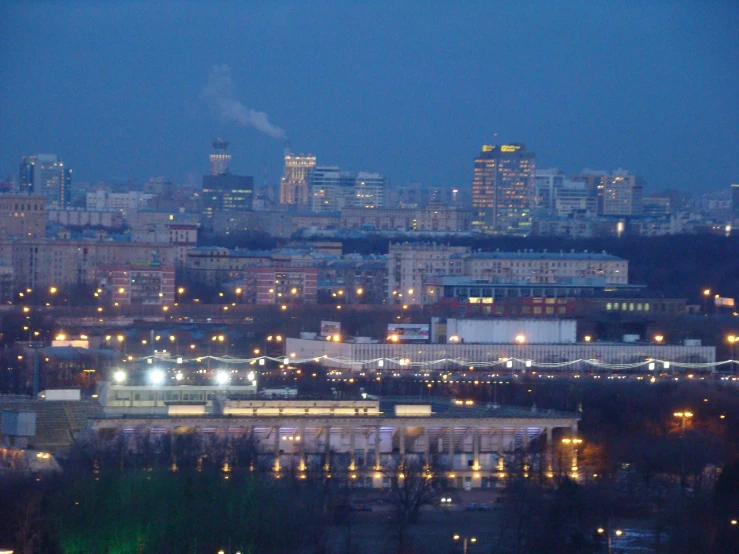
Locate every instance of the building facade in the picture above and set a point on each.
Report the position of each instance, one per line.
(147, 284)
(47, 175)
(294, 183)
(434, 217)
(503, 189)
(220, 159)
(22, 216)
(49, 262)
(284, 286)
(225, 193)
(408, 264)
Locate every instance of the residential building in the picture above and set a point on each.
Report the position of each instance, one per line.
(409, 263)
(619, 193)
(503, 189)
(128, 203)
(22, 216)
(434, 217)
(46, 174)
(51, 262)
(80, 217)
(142, 283)
(284, 286)
(544, 267)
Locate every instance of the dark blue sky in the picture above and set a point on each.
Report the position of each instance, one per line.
(410, 89)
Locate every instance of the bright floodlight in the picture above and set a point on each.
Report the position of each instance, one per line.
(119, 376)
(250, 376)
(156, 376)
(222, 378)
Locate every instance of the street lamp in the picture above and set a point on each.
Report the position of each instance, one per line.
(465, 541)
(732, 340)
(659, 338)
(706, 294)
(609, 537)
(684, 417)
(520, 339)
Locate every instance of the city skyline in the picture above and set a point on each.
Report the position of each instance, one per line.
(644, 105)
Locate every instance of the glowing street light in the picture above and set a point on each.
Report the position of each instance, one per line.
(658, 338)
(222, 378)
(53, 290)
(156, 376)
(520, 339)
(465, 541)
(119, 376)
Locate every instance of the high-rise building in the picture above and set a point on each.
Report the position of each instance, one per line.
(547, 181)
(294, 183)
(619, 193)
(222, 191)
(45, 174)
(226, 193)
(220, 159)
(503, 189)
(332, 190)
(735, 201)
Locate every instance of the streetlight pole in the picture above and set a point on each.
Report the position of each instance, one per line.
(684, 416)
(465, 541)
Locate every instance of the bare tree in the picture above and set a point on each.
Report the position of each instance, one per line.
(413, 485)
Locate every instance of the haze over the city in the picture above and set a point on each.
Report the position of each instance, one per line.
(125, 90)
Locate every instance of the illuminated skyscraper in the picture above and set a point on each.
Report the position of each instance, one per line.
(220, 159)
(294, 183)
(619, 193)
(503, 189)
(45, 174)
(222, 191)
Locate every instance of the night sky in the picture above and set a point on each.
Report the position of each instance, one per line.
(126, 90)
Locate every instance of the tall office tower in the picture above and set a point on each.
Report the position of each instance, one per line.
(619, 193)
(224, 192)
(45, 174)
(547, 181)
(325, 189)
(369, 190)
(735, 201)
(220, 159)
(503, 189)
(294, 183)
(331, 190)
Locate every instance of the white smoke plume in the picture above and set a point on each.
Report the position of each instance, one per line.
(219, 95)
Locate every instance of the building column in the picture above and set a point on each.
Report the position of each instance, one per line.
(303, 441)
(276, 448)
(426, 447)
(352, 449)
(327, 461)
(549, 453)
(573, 436)
(475, 448)
(377, 448)
(401, 443)
(450, 430)
(501, 463)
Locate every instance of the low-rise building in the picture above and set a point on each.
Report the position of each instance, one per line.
(22, 216)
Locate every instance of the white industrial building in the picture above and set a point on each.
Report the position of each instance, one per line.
(504, 331)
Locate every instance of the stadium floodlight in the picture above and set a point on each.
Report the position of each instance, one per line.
(119, 376)
(156, 376)
(222, 378)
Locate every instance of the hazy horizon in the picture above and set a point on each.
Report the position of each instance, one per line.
(133, 89)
